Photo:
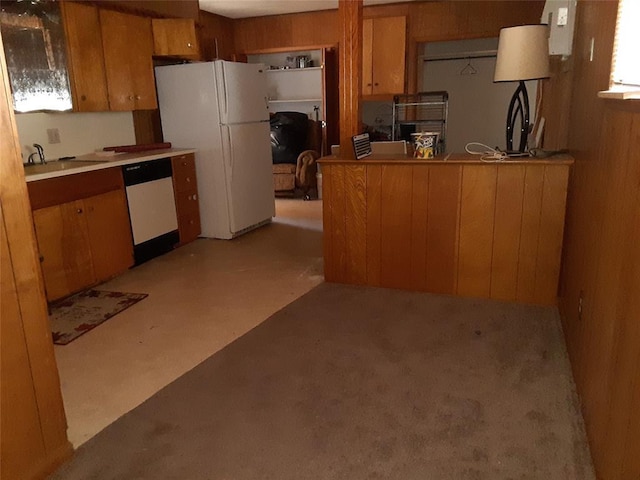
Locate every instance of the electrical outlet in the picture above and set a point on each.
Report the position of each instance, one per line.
(54, 135)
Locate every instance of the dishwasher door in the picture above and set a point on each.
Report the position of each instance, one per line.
(152, 208)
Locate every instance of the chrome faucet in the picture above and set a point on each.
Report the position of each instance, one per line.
(39, 152)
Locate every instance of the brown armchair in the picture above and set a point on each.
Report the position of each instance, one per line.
(287, 177)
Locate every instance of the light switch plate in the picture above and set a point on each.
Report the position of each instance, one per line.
(563, 16)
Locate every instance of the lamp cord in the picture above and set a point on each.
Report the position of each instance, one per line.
(490, 155)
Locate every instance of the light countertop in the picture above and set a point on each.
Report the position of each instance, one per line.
(464, 158)
(95, 161)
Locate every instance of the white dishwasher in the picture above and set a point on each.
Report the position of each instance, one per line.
(152, 208)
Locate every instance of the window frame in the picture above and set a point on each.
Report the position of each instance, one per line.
(619, 90)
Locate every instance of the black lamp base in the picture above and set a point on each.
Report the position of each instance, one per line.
(518, 108)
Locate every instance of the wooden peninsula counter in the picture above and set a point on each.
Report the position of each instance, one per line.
(458, 226)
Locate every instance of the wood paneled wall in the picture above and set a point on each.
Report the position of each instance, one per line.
(426, 22)
(477, 230)
(216, 37)
(600, 280)
(155, 8)
(33, 438)
(556, 103)
(297, 30)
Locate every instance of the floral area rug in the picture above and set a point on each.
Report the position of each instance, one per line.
(83, 311)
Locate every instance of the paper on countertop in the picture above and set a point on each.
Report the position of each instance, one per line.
(98, 156)
(105, 153)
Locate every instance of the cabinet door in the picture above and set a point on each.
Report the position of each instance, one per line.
(188, 216)
(388, 59)
(383, 55)
(186, 192)
(109, 233)
(367, 54)
(175, 37)
(116, 46)
(128, 47)
(141, 66)
(85, 57)
(184, 173)
(63, 242)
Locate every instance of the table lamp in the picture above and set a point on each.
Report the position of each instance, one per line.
(523, 54)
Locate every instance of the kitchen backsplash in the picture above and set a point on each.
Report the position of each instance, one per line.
(79, 133)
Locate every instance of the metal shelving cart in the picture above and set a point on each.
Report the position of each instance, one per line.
(420, 112)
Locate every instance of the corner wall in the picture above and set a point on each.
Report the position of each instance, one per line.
(600, 279)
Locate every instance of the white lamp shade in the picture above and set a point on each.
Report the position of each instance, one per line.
(523, 53)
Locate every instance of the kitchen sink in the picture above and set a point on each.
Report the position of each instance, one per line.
(54, 166)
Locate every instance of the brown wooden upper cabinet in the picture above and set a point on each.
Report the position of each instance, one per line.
(127, 42)
(109, 59)
(383, 55)
(175, 37)
(84, 57)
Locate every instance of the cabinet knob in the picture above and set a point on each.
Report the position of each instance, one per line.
(79, 211)
(190, 222)
(188, 180)
(184, 164)
(83, 97)
(376, 84)
(189, 44)
(368, 84)
(138, 96)
(195, 197)
(130, 97)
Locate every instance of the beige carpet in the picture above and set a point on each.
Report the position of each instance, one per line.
(352, 383)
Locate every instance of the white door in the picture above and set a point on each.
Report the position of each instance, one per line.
(242, 92)
(249, 174)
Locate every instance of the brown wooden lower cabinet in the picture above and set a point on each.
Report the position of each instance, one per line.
(462, 227)
(186, 192)
(65, 253)
(83, 241)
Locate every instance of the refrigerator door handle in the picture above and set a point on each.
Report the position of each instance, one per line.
(225, 94)
(229, 155)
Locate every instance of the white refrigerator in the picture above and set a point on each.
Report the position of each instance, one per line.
(220, 108)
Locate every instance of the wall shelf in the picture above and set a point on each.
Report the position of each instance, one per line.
(291, 70)
(425, 111)
(295, 100)
(294, 89)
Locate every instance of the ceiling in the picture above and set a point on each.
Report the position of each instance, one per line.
(260, 8)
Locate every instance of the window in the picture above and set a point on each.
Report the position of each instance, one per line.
(625, 71)
(626, 68)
